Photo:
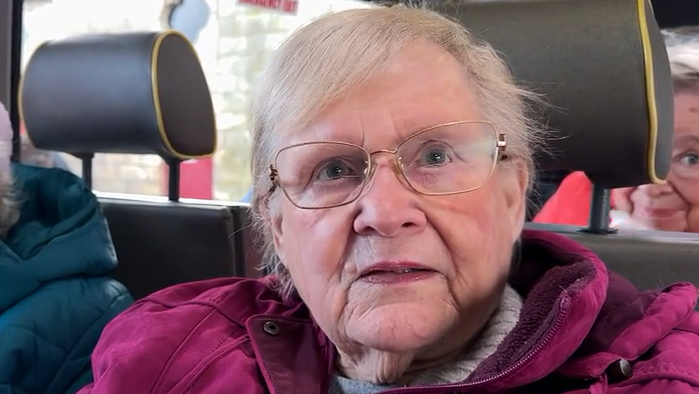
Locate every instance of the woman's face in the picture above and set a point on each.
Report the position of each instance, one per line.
(463, 241)
(675, 205)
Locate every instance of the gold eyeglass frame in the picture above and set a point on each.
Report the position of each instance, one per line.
(500, 148)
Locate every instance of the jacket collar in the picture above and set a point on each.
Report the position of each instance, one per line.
(564, 286)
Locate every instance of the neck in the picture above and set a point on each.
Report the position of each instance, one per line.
(375, 366)
(381, 367)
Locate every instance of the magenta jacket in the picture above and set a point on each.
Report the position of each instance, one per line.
(582, 330)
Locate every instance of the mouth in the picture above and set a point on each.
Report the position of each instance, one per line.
(396, 273)
(660, 213)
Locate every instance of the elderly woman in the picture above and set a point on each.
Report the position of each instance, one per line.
(392, 209)
(673, 206)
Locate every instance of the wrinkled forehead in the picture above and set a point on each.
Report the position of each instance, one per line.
(687, 117)
(419, 88)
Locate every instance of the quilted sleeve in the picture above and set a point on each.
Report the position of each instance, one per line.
(48, 337)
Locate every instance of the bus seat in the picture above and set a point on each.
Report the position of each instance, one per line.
(160, 243)
(248, 241)
(649, 259)
(137, 93)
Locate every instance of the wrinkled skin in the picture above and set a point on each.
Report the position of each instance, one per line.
(673, 206)
(385, 332)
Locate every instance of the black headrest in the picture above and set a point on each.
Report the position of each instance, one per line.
(603, 67)
(119, 93)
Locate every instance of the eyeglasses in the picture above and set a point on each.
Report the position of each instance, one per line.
(450, 158)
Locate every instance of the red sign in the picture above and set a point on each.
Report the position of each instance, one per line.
(285, 6)
(196, 179)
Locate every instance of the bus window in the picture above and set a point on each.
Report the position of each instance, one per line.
(234, 40)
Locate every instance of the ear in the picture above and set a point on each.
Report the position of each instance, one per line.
(514, 185)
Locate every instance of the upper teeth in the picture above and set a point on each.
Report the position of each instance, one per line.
(406, 270)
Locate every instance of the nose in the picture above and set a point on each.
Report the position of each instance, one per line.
(388, 207)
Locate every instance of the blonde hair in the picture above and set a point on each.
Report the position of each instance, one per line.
(324, 61)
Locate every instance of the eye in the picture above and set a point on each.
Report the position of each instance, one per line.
(689, 159)
(434, 156)
(335, 169)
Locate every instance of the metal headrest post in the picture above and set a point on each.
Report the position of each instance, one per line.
(173, 179)
(86, 160)
(599, 212)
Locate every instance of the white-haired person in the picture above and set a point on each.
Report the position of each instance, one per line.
(392, 209)
(56, 295)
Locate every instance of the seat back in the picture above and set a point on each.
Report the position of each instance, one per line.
(248, 243)
(139, 93)
(160, 244)
(651, 260)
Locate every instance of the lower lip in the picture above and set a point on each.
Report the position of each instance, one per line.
(397, 278)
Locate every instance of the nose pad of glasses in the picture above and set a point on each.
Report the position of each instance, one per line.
(370, 167)
(399, 164)
(370, 170)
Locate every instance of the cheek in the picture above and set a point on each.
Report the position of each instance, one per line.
(689, 190)
(477, 234)
(315, 244)
(693, 220)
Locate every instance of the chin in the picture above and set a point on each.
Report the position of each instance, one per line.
(400, 328)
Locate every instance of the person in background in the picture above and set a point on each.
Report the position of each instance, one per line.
(56, 295)
(189, 17)
(673, 206)
(31, 156)
(392, 211)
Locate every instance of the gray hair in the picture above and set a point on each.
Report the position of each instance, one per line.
(9, 204)
(324, 61)
(683, 51)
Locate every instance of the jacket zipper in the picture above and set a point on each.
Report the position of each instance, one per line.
(562, 313)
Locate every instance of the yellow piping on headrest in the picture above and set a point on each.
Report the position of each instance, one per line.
(156, 97)
(650, 92)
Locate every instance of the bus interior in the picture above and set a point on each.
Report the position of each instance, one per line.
(601, 64)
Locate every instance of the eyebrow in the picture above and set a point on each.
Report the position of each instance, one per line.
(688, 138)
